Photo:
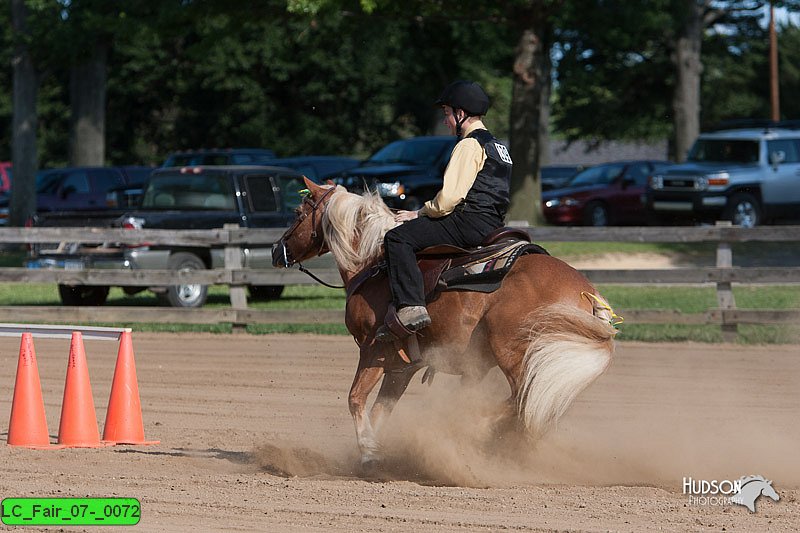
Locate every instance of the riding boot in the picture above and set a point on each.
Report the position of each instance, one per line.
(407, 321)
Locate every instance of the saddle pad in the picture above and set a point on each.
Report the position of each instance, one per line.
(487, 274)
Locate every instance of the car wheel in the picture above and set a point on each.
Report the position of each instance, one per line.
(264, 293)
(189, 295)
(82, 294)
(596, 214)
(743, 210)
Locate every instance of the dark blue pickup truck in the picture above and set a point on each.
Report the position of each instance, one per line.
(406, 173)
(182, 198)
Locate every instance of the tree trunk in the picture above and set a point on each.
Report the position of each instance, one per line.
(529, 126)
(23, 144)
(88, 103)
(688, 69)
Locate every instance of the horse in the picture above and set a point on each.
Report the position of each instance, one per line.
(547, 328)
(752, 487)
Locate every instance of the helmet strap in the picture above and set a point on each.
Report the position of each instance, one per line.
(460, 123)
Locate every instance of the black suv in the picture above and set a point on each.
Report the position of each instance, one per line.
(406, 173)
(224, 156)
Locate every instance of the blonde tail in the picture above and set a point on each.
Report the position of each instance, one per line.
(569, 349)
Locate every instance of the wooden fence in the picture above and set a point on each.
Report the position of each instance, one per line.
(232, 239)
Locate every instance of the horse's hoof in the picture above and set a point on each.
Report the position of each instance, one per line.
(370, 465)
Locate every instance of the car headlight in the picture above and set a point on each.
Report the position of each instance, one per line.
(656, 182)
(701, 183)
(556, 202)
(390, 189)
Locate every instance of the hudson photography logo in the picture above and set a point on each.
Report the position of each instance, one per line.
(743, 491)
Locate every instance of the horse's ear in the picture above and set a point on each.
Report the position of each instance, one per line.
(330, 182)
(310, 184)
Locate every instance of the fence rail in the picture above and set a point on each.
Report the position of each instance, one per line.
(233, 240)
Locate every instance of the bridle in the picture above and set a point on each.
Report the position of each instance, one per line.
(315, 206)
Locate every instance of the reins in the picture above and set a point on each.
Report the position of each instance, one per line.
(314, 205)
(315, 278)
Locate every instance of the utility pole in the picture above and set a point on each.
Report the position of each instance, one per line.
(775, 102)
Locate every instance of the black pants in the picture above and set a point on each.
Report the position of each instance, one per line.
(401, 244)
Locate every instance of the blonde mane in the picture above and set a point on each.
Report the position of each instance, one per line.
(354, 227)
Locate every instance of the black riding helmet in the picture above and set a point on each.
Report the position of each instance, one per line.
(467, 96)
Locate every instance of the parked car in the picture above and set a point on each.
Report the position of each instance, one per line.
(558, 176)
(406, 173)
(183, 198)
(224, 156)
(5, 176)
(602, 195)
(317, 167)
(65, 189)
(747, 176)
(79, 188)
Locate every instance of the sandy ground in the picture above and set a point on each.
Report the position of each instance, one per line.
(256, 436)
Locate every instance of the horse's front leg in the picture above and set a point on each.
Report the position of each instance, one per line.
(393, 386)
(367, 376)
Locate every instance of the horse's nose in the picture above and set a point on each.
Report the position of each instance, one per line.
(279, 252)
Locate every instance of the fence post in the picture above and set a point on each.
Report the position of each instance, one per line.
(233, 261)
(725, 299)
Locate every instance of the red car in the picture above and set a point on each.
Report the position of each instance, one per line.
(602, 195)
(5, 176)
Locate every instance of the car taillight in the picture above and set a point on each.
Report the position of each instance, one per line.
(134, 223)
(191, 170)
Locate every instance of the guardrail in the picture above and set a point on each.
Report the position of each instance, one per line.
(233, 239)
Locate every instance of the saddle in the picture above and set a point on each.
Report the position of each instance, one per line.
(447, 267)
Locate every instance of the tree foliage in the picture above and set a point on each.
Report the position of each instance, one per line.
(345, 76)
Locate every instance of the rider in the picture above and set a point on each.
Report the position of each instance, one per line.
(472, 203)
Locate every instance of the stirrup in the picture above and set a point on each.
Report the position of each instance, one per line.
(393, 329)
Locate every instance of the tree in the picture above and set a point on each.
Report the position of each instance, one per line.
(530, 106)
(23, 199)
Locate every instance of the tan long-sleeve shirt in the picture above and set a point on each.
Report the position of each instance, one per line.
(466, 161)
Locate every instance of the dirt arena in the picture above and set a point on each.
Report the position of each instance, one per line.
(256, 436)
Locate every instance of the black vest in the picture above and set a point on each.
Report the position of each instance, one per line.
(490, 192)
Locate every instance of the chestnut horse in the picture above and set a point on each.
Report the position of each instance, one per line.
(546, 327)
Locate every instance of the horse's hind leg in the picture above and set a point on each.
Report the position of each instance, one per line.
(367, 376)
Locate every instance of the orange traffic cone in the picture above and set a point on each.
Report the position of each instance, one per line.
(28, 425)
(78, 427)
(124, 417)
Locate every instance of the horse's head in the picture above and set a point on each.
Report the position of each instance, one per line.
(304, 239)
(768, 491)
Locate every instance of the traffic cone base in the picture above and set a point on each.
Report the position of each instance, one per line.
(124, 416)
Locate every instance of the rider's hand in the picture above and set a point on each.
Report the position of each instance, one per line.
(403, 216)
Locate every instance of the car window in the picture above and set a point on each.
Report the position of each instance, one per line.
(48, 182)
(240, 159)
(789, 147)
(638, 172)
(212, 159)
(76, 181)
(599, 175)
(724, 151)
(189, 191)
(260, 194)
(138, 175)
(411, 152)
(105, 179)
(290, 187)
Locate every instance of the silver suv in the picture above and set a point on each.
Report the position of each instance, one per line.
(747, 176)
